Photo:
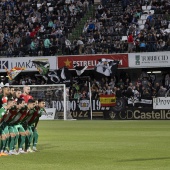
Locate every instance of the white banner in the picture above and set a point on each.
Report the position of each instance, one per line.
(161, 103)
(50, 114)
(152, 59)
(26, 62)
(136, 100)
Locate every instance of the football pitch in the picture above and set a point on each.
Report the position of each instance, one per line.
(97, 145)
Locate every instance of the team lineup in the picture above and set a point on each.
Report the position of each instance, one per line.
(19, 117)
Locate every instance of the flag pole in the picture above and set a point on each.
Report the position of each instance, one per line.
(91, 115)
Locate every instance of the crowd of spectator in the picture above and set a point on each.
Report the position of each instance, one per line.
(38, 27)
(41, 28)
(146, 86)
(128, 26)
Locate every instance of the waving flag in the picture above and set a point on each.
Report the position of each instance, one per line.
(79, 69)
(43, 67)
(107, 67)
(61, 75)
(13, 72)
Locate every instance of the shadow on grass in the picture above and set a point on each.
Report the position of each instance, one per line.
(143, 159)
(46, 146)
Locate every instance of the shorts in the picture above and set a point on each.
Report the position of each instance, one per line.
(11, 129)
(6, 130)
(19, 128)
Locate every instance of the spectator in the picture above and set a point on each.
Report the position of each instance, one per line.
(109, 90)
(91, 40)
(162, 45)
(142, 46)
(33, 33)
(146, 93)
(129, 93)
(161, 92)
(145, 82)
(151, 39)
(157, 87)
(71, 7)
(150, 17)
(41, 49)
(68, 46)
(47, 45)
(167, 80)
(91, 27)
(77, 95)
(130, 43)
(10, 51)
(80, 45)
(1, 38)
(86, 5)
(34, 47)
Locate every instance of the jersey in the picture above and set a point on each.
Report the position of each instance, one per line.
(21, 114)
(11, 115)
(26, 97)
(3, 112)
(36, 115)
(29, 113)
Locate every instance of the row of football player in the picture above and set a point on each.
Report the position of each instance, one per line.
(18, 121)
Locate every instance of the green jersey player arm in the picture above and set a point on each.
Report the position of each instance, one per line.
(36, 123)
(2, 113)
(40, 113)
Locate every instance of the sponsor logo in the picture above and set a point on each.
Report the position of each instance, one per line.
(112, 114)
(84, 105)
(155, 59)
(4, 64)
(137, 59)
(90, 63)
(161, 101)
(11, 63)
(49, 114)
(144, 115)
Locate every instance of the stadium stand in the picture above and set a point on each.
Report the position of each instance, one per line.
(147, 22)
(38, 28)
(32, 28)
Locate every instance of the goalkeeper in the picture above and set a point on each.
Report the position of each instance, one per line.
(26, 94)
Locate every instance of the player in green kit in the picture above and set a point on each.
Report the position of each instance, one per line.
(4, 132)
(13, 133)
(33, 120)
(29, 136)
(16, 122)
(15, 129)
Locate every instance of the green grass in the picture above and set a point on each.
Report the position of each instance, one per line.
(97, 145)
